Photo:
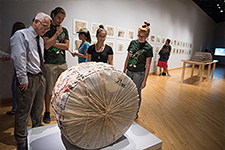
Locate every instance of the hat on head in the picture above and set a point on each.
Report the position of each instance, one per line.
(83, 30)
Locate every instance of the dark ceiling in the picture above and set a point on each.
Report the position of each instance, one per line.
(213, 8)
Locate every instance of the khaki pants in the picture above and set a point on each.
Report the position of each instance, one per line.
(30, 103)
(52, 72)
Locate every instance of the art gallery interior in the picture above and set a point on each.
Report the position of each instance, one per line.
(183, 115)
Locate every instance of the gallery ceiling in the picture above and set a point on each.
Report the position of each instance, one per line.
(213, 8)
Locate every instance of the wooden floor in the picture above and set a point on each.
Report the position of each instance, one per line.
(185, 117)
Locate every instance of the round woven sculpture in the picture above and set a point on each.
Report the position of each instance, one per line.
(94, 104)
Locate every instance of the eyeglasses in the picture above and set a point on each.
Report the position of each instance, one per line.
(142, 37)
(45, 26)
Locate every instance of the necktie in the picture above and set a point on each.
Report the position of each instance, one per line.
(40, 54)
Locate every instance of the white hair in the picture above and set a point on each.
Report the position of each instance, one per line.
(41, 16)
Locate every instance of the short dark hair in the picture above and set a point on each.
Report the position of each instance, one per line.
(58, 10)
(168, 41)
(17, 26)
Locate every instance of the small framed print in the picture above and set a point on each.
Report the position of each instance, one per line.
(157, 49)
(131, 35)
(174, 50)
(76, 44)
(121, 33)
(158, 39)
(152, 38)
(78, 24)
(110, 43)
(110, 31)
(174, 42)
(163, 40)
(171, 42)
(94, 28)
(120, 48)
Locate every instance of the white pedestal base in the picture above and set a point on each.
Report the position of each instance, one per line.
(50, 138)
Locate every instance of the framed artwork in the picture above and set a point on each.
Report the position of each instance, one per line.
(158, 39)
(174, 42)
(94, 28)
(76, 44)
(177, 51)
(174, 50)
(110, 43)
(78, 24)
(171, 42)
(184, 44)
(180, 51)
(121, 33)
(157, 49)
(120, 49)
(163, 40)
(178, 43)
(110, 31)
(152, 38)
(131, 35)
(190, 45)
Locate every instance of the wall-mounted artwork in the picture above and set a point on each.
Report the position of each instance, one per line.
(163, 40)
(152, 38)
(190, 45)
(110, 43)
(110, 31)
(78, 24)
(158, 39)
(131, 35)
(76, 44)
(175, 42)
(171, 42)
(121, 33)
(178, 43)
(180, 51)
(184, 44)
(94, 28)
(120, 49)
(177, 51)
(157, 49)
(174, 50)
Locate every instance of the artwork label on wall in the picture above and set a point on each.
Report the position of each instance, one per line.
(130, 34)
(120, 49)
(110, 31)
(152, 38)
(121, 33)
(78, 24)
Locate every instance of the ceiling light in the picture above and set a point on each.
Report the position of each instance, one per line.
(219, 7)
(221, 11)
(218, 4)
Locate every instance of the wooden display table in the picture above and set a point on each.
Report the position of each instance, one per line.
(201, 69)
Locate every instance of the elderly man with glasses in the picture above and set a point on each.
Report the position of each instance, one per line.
(27, 51)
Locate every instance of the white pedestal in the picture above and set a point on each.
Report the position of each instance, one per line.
(50, 138)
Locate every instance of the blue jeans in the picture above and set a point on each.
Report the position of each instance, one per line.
(137, 78)
(14, 107)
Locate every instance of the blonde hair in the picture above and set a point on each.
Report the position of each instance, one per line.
(145, 28)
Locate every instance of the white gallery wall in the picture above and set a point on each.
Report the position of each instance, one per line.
(175, 19)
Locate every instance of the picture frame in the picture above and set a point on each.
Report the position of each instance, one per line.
(174, 50)
(120, 48)
(110, 31)
(174, 42)
(76, 44)
(131, 35)
(94, 28)
(78, 24)
(111, 44)
(158, 39)
(152, 38)
(157, 49)
(163, 40)
(121, 33)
